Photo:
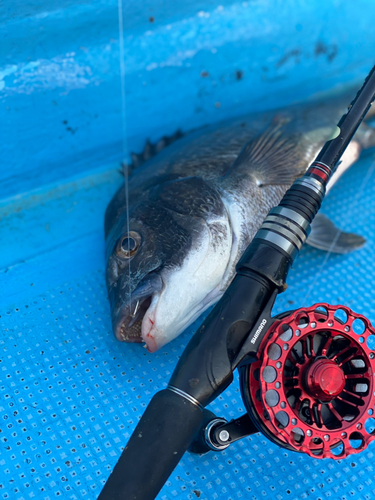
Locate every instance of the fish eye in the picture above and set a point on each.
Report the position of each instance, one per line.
(128, 245)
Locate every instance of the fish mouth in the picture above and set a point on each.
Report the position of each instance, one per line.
(127, 324)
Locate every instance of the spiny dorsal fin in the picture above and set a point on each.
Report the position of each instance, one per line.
(272, 157)
(152, 149)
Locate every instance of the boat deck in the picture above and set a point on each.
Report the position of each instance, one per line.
(71, 394)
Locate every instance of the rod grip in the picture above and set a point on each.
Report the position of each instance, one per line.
(161, 437)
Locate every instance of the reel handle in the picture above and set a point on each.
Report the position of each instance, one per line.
(157, 444)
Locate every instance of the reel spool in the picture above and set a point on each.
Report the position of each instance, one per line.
(312, 389)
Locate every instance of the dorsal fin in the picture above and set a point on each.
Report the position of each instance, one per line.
(271, 157)
(152, 149)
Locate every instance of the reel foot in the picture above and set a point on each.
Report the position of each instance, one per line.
(216, 434)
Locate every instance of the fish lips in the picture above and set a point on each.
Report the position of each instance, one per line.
(127, 322)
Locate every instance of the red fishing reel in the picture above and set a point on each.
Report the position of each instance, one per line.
(311, 388)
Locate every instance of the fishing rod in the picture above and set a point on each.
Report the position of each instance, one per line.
(306, 380)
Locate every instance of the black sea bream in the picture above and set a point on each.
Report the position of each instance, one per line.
(196, 205)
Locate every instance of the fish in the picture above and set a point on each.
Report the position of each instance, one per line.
(173, 243)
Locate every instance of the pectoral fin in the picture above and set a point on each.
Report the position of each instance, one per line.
(326, 236)
(272, 157)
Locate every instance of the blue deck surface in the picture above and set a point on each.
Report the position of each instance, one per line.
(70, 394)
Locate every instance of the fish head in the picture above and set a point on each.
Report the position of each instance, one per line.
(134, 259)
(166, 262)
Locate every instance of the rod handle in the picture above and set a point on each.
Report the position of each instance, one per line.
(161, 437)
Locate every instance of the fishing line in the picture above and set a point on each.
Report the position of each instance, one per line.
(368, 175)
(124, 128)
